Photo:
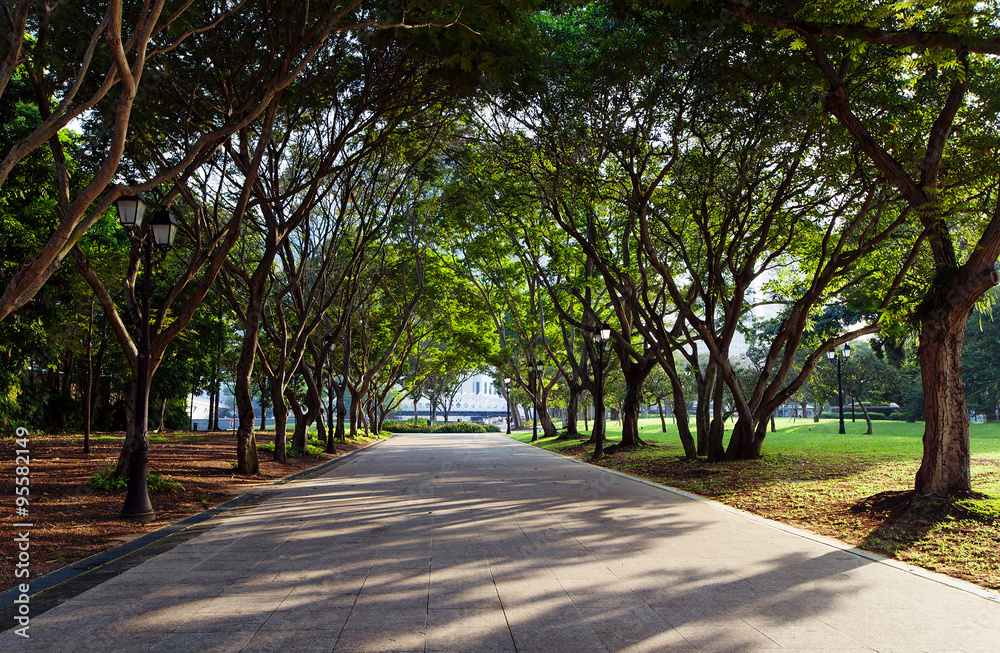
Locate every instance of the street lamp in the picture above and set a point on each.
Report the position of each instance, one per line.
(161, 232)
(601, 338)
(506, 387)
(845, 353)
(536, 376)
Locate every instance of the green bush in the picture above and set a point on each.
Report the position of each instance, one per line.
(105, 479)
(311, 449)
(450, 427)
(466, 427)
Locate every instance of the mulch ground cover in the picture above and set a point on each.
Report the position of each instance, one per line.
(72, 520)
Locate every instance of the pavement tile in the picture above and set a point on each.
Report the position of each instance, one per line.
(292, 641)
(481, 640)
(204, 642)
(467, 618)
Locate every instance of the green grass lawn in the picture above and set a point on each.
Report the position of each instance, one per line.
(853, 487)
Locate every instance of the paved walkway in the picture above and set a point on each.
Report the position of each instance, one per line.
(479, 543)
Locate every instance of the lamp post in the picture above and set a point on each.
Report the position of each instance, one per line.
(601, 338)
(845, 353)
(506, 389)
(161, 231)
(536, 376)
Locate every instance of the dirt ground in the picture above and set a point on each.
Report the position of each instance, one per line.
(72, 520)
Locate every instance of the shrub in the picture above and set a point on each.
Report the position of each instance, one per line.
(466, 427)
(450, 427)
(311, 449)
(105, 479)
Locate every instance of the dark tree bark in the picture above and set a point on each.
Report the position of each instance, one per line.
(572, 410)
(630, 412)
(868, 419)
(89, 384)
(280, 411)
(945, 466)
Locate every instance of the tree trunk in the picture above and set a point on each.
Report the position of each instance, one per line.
(600, 426)
(773, 427)
(211, 409)
(572, 408)
(89, 385)
(163, 415)
(216, 380)
(630, 415)
(945, 467)
(263, 418)
(684, 428)
(746, 439)
(332, 418)
(341, 434)
(663, 420)
(280, 411)
(703, 417)
(549, 429)
(716, 452)
(299, 434)
(868, 419)
(817, 411)
(355, 413)
(320, 425)
(123, 466)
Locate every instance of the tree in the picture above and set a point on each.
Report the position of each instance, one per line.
(936, 72)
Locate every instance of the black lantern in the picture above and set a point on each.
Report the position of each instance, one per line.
(164, 227)
(131, 209)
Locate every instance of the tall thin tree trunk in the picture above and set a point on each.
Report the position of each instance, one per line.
(89, 385)
(868, 419)
(280, 411)
(703, 414)
(716, 451)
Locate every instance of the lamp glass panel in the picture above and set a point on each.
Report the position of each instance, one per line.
(164, 228)
(131, 209)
